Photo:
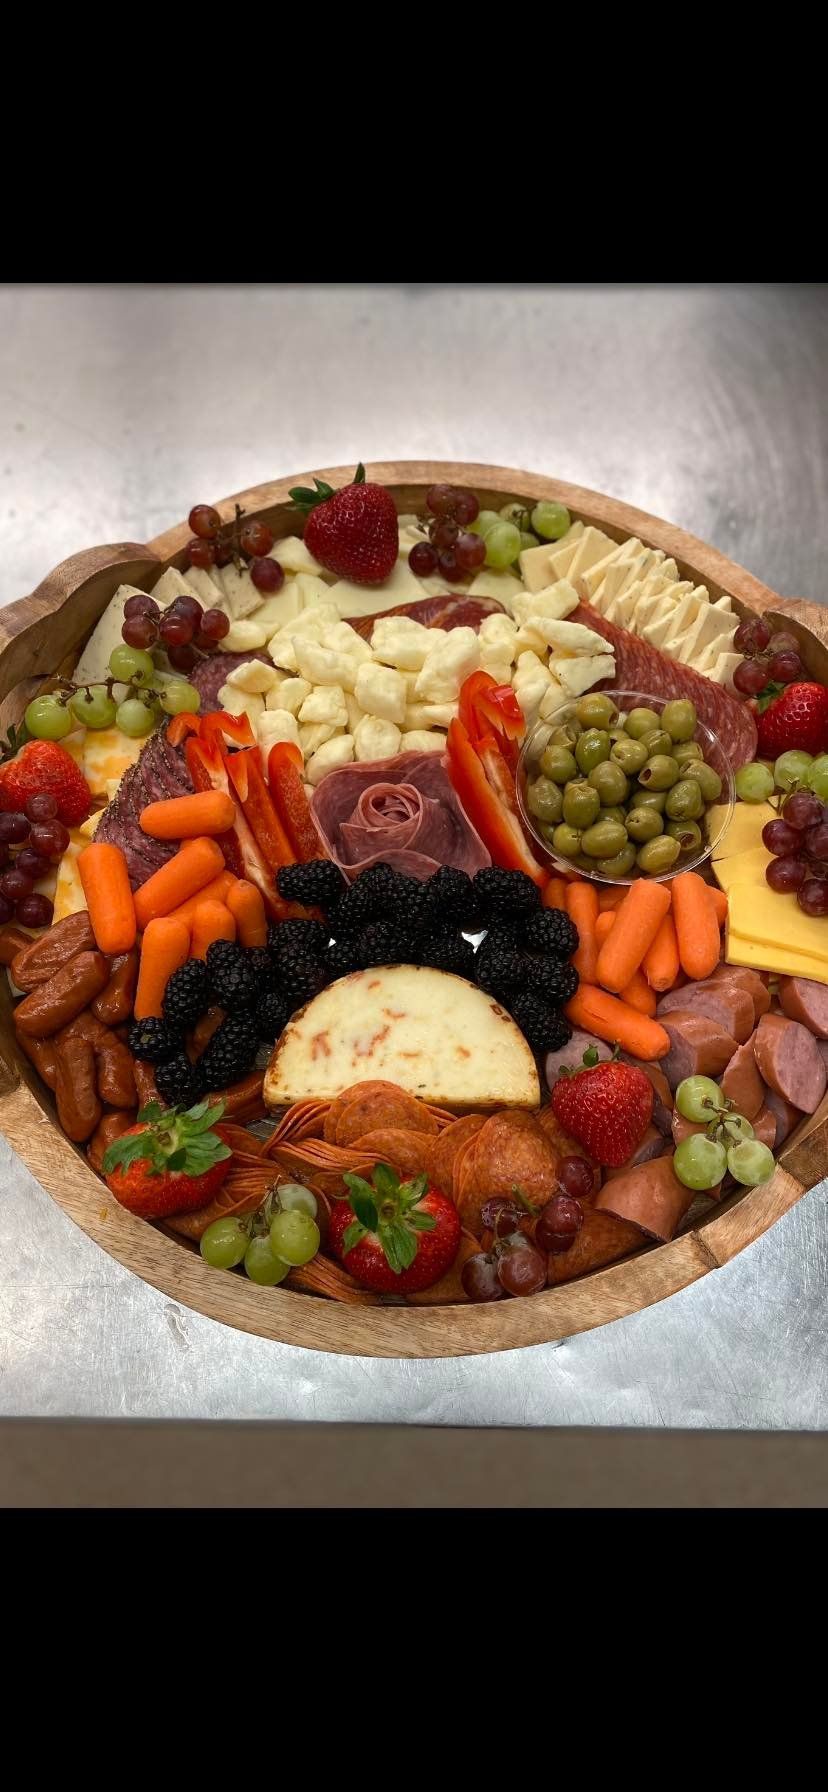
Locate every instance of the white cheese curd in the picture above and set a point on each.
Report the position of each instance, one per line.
(330, 757)
(241, 703)
(322, 665)
(355, 711)
(554, 698)
(579, 675)
(400, 641)
(289, 693)
(313, 735)
(292, 554)
(555, 601)
(346, 640)
(430, 715)
(316, 620)
(254, 675)
(422, 740)
(450, 662)
(325, 704)
(381, 691)
(375, 738)
(498, 634)
(274, 725)
(244, 637)
(283, 653)
(572, 637)
(499, 670)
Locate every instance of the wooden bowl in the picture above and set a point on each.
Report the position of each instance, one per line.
(42, 635)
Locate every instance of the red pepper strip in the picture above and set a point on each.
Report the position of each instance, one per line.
(244, 772)
(284, 775)
(485, 705)
(241, 853)
(238, 729)
(182, 725)
(494, 819)
(471, 690)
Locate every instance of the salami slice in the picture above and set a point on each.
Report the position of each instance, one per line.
(382, 1106)
(448, 1149)
(511, 1152)
(434, 612)
(409, 1153)
(337, 1108)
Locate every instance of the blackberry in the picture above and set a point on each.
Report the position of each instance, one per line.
(550, 930)
(506, 892)
(302, 976)
(546, 1029)
(179, 1082)
(553, 980)
(232, 978)
(501, 970)
(263, 967)
(272, 1014)
(230, 1053)
(316, 885)
(345, 955)
(287, 937)
(187, 995)
(378, 893)
(155, 1040)
(450, 896)
(448, 951)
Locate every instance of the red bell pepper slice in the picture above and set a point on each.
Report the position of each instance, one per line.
(245, 774)
(242, 856)
(219, 722)
(485, 705)
(182, 725)
(488, 809)
(284, 775)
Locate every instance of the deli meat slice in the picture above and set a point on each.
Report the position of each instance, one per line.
(434, 612)
(807, 1002)
(640, 667)
(401, 812)
(790, 1061)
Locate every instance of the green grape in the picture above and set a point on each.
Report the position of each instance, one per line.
(699, 1162)
(737, 1129)
(750, 1163)
(134, 718)
(792, 768)
(47, 719)
(295, 1198)
(178, 696)
(502, 545)
(261, 1265)
(487, 520)
(818, 778)
(94, 707)
(697, 1098)
(527, 540)
(131, 665)
(294, 1236)
(550, 521)
(515, 513)
(224, 1244)
(754, 783)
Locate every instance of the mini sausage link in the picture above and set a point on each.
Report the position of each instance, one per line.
(54, 1003)
(110, 1128)
(39, 960)
(43, 1056)
(12, 942)
(144, 1076)
(116, 1076)
(114, 1004)
(79, 1109)
(242, 1100)
(199, 1039)
(85, 1026)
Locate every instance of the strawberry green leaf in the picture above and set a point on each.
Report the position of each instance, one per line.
(152, 1111)
(359, 476)
(411, 1192)
(352, 1235)
(768, 696)
(306, 499)
(178, 1159)
(422, 1222)
(358, 1188)
(399, 1245)
(386, 1182)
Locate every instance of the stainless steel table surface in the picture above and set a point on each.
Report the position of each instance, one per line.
(120, 406)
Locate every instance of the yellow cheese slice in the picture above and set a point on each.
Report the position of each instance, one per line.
(747, 867)
(744, 832)
(773, 958)
(776, 924)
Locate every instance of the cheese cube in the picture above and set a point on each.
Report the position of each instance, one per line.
(254, 675)
(500, 633)
(374, 738)
(553, 601)
(241, 703)
(313, 735)
(329, 757)
(244, 637)
(325, 704)
(239, 590)
(429, 715)
(579, 675)
(289, 693)
(292, 554)
(381, 691)
(400, 641)
(422, 740)
(322, 665)
(274, 725)
(355, 711)
(446, 667)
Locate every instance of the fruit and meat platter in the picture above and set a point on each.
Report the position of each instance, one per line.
(425, 908)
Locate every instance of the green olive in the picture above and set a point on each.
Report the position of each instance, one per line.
(660, 773)
(544, 800)
(679, 718)
(657, 742)
(566, 841)
(619, 866)
(647, 799)
(614, 812)
(596, 711)
(687, 833)
(546, 829)
(592, 748)
(565, 735)
(641, 721)
(658, 855)
(610, 782)
(558, 763)
(580, 804)
(709, 782)
(685, 801)
(643, 824)
(629, 754)
(686, 750)
(604, 840)
(583, 863)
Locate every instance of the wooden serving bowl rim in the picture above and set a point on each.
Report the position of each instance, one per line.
(36, 629)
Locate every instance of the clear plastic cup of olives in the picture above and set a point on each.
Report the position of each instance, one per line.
(603, 767)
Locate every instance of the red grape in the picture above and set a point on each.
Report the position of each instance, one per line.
(812, 897)
(480, 1279)
(202, 553)
(14, 829)
(559, 1224)
(32, 863)
(447, 563)
(575, 1177)
(470, 552)
(140, 631)
(750, 678)
(802, 810)
(188, 606)
(751, 636)
(499, 1214)
(816, 841)
(182, 658)
(442, 500)
(466, 507)
(35, 911)
(786, 874)
(224, 553)
(14, 885)
(215, 625)
(780, 838)
(784, 642)
(423, 559)
(5, 855)
(204, 521)
(6, 912)
(142, 605)
(42, 806)
(786, 668)
(522, 1271)
(445, 533)
(255, 538)
(49, 838)
(267, 574)
(176, 631)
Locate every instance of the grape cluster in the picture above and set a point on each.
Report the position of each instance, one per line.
(772, 658)
(282, 1235)
(185, 629)
(798, 839)
(41, 840)
(215, 544)
(462, 538)
(728, 1142)
(516, 1261)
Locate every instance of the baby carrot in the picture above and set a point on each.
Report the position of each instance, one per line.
(211, 922)
(554, 896)
(164, 948)
(109, 899)
(719, 901)
(185, 817)
(248, 910)
(697, 928)
(604, 925)
(217, 890)
(195, 864)
(611, 898)
(637, 922)
(661, 965)
(638, 994)
(617, 1023)
(582, 908)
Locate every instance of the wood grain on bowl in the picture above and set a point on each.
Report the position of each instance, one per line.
(40, 636)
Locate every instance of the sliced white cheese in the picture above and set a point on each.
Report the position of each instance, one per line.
(594, 577)
(502, 586)
(713, 623)
(579, 675)
(401, 587)
(671, 624)
(239, 590)
(725, 667)
(172, 584)
(93, 665)
(205, 588)
(292, 554)
(642, 604)
(536, 566)
(280, 609)
(255, 676)
(593, 546)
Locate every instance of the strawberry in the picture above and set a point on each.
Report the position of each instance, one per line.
(798, 718)
(606, 1107)
(171, 1162)
(353, 532)
(395, 1237)
(44, 765)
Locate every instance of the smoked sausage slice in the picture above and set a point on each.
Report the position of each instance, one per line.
(790, 1061)
(728, 1006)
(807, 1002)
(742, 1083)
(650, 1197)
(697, 1046)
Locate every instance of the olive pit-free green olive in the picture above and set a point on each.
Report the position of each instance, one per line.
(679, 718)
(708, 781)
(641, 722)
(685, 801)
(647, 799)
(558, 763)
(567, 841)
(620, 866)
(687, 833)
(656, 742)
(592, 748)
(544, 800)
(660, 772)
(613, 812)
(580, 804)
(596, 710)
(685, 750)
(583, 863)
(658, 855)
(565, 735)
(643, 824)
(604, 840)
(629, 754)
(610, 782)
